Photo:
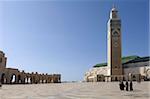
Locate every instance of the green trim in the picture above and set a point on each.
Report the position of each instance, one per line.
(127, 59)
(100, 65)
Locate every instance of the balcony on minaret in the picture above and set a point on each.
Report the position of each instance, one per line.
(114, 13)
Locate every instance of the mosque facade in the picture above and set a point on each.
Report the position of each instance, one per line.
(118, 67)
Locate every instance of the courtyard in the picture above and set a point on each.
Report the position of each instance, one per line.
(93, 90)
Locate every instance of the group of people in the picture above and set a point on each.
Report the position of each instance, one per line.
(127, 85)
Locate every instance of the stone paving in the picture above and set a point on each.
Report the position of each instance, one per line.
(99, 90)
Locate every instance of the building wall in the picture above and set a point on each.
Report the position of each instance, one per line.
(138, 71)
(91, 75)
(14, 76)
(142, 68)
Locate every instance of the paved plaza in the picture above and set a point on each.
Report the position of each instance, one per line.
(99, 90)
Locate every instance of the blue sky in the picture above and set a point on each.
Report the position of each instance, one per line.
(68, 37)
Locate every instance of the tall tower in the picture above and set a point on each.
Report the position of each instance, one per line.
(114, 44)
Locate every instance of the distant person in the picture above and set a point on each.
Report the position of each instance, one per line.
(127, 85)
(121, 85)
(131, 86)
(0, 84)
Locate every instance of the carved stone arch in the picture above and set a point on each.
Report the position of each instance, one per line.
(30, 79)
(116, 33)
(26, 79)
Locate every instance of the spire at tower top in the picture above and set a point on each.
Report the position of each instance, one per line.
(113, 12)
(113, 8)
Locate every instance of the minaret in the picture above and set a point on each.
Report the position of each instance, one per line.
(114, 44)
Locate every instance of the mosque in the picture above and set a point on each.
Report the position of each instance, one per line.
(117, 68)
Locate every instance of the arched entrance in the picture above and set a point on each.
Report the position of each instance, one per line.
(3, 78)
(40, 80)
(29, 80)
(26, 80)
(44, 81)
(13, 79)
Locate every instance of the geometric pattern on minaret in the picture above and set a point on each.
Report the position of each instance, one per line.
(114, 44)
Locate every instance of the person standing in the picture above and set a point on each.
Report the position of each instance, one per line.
(126, 85)
(121, 85)
(131, 86)
(0, 84)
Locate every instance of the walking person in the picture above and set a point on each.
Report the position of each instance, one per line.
(126, 85)
(131, 86)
